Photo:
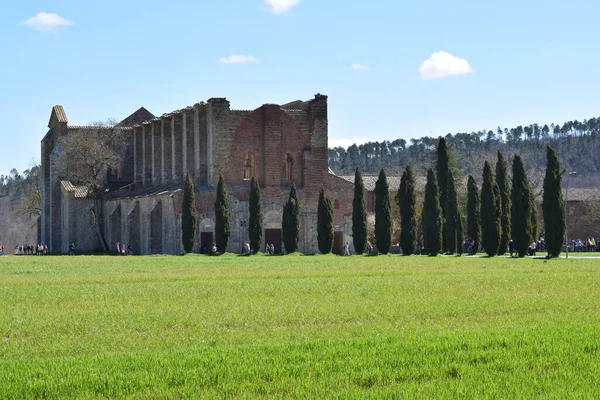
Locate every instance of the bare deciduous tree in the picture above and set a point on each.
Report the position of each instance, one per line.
(91, 153)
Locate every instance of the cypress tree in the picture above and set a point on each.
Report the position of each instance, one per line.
(522, 208)
(490, 212)
(359, 215)
(432, 216)
(459, 234)
(407, 200)
(291, 222)
(222, 216)
(383, 214)
(453, 222)
(505, 208)
(442, 168)
(553, 206)
(324, 224)
(534, 215)
(188, 215)
(255, 227)
(473, 209)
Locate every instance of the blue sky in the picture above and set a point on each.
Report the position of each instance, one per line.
(420, 68)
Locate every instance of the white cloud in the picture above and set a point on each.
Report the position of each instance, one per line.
(347, 142)
(359, 67)
(441, 64)
(282, 6)
(47, 22)
(238, 59)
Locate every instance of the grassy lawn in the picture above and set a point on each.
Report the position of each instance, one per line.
(299, 326)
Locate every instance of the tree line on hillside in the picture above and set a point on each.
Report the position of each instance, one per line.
(579, 142)
(20, 206)
(501, 217)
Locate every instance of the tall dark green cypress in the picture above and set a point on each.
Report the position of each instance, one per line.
(534, 215)
(453, 222)
(490, 213)
(473, 210)
(383, 214)
(324, 224)
(505, 208)
(359, 215)
(291, 221)
(553, 206)
(432, 216)
(255, 226)
(522, 208)
(407, 200)
(188, 215)
(222, 216)
(442, 168)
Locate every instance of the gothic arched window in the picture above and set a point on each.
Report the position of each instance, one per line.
(289, 164)
(248, 167)
(92, 217)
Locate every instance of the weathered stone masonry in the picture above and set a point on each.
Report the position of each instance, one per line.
(279, 145)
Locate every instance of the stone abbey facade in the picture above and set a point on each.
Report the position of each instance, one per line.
(279, 145)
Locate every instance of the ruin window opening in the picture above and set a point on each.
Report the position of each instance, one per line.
(92, 216)
(248, 167)
(289, 164)
(336, 204)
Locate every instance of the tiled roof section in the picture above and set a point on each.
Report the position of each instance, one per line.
(78, 191)
(294, 105)
(136, 118)
(583, 194)
(575, 193)
(58, 114)
(61, 116)
(95, 128)
(393, 182)
(138, 190)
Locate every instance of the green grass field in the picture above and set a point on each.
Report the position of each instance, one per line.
(299, 326)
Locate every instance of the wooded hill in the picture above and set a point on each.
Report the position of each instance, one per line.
(577, 144)
(19, 207)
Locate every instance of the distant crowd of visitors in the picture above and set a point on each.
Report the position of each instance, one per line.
(38, 250)
(575, 245)
(124, 251)
(579, 245)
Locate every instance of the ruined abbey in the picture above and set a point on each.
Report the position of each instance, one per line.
(278, 144)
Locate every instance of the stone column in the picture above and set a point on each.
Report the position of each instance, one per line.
(167, 143)
(138, 154)
(147, 159)
(157, 152)
(178, 147)
(196, 149)
(135, 160)
(184, 144)
(140, 166)
(315, 171)
(271, 170)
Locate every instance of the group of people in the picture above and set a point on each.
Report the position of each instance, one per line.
(124, 251)
(270, 249)
(589, 245)
(38, 250)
